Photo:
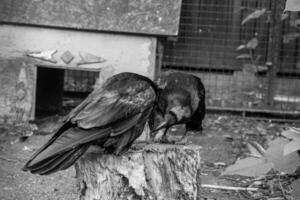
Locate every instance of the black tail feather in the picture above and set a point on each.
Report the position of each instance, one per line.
(54, 137)
(58, 162)
(74, 158)
(40, 165)
(52, 164)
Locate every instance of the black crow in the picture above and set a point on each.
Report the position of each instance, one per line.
(112, 116)
(181, 100)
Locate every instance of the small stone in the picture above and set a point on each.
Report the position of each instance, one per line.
(7, 188)
(26, 148)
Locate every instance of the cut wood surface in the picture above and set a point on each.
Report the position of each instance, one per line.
(154, 171)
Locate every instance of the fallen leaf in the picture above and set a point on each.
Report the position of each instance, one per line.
(249, 167)
(275, 154)
(295, 129)
(291, 134)
(291, 147)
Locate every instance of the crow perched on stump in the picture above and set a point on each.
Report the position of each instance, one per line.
(112, 116)
(181, 100)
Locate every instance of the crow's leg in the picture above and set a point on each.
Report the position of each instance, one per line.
(161, 136)
(164, 138)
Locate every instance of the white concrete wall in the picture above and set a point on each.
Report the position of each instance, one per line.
(122, 53)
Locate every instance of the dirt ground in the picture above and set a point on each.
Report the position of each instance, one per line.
(18, 185)
(223, 142)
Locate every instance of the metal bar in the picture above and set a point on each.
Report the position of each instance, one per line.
(277, 112)
(159, 58)
(210, 32)
(274, 49)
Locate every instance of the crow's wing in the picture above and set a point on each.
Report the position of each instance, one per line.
(100, 116)
(114, 114)
(105, 107)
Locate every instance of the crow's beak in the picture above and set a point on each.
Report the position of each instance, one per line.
(168, 121)
(162, 125)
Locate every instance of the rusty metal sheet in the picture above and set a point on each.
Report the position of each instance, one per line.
(155, 17)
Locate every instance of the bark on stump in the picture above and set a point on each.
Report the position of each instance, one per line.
(157, 172)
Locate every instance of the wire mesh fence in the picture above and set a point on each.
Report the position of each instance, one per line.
(77, 85)
(79, 81)
(245, 51)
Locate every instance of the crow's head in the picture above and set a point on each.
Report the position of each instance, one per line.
(176, 109)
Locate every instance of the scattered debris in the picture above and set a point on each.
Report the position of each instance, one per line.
(225, 140)
(7, 159)
(220, 164)
(295, 189)
(26, 148)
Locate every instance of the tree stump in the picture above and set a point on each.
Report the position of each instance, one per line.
(156, 172)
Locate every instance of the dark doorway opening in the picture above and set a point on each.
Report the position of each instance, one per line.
(60, 90)
(49, 91)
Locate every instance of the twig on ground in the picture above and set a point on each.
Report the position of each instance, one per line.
(282, 189)
(7, 159)
(228, 187)
(276, 198)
